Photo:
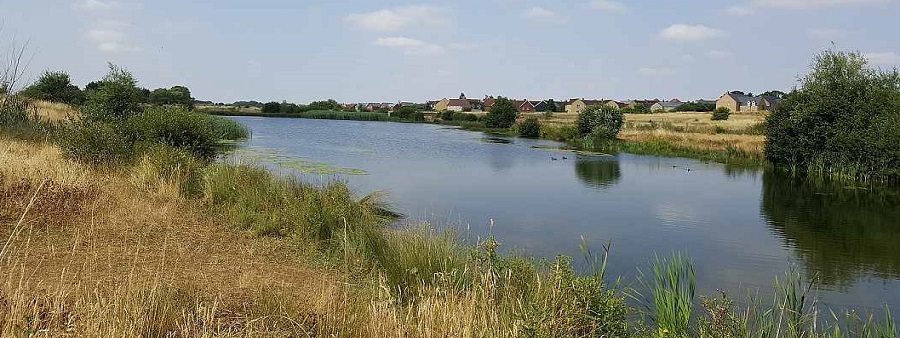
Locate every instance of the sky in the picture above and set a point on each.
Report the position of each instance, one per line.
(388, 51)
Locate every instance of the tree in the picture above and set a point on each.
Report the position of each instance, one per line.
(324, 105)
(503, 114)
(116, 97)
(160, 97)
(530, 128)
(721, 114)
(603, 122)
(55, 87)
(844, 118)
(181, 95)
(271, 108)
(551, 106)
(775, 93)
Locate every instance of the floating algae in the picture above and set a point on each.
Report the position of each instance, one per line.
(275, 157)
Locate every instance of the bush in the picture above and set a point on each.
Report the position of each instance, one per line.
(721, 114)
(408, 113)
(116, 97)
(843, 121)
(18, 118)
(176, 128)
(119, 142)
(530, 128)
(503, 114)
(168, 170)
(465, 117)
(97, 143)
(447, 115)
(54, 87)
(695, 107)
(600, 121)
(271, 108)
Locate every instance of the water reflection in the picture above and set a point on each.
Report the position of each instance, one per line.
(841, 234)
(598, 172)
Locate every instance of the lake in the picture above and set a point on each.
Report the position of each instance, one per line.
(742, 228)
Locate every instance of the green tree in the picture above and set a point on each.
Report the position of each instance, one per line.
(271, 108)
(160, 97)
(55, 87)
(181, 95)
(844, 120)
(530, 128)
(551, 106)
(324, 105)
(116, 97)
(775, 93)
(721, 114)
(601, 122)
(503, 114)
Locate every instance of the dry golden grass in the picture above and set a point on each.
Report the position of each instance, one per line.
(54, 112)
(750, 144)
(688, 130)
(95, 256)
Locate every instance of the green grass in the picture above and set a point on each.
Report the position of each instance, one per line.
(313, 114)
(730, 156)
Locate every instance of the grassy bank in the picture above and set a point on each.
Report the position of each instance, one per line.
(315, 114)
(737, 141)
(171, 245)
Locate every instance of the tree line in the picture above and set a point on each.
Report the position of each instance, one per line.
(57, 86)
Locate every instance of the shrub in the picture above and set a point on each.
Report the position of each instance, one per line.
(842, 121)
(600, 121)
(176, 128)
(465, 117)
(54, 87)
(503, 114)
(168, 170)
(530, 128)
(447, 115)
(406, 113)
(271, 108)
(18, 118)
(721, 114)
(564, 133)
(97, 143)
(115, 98)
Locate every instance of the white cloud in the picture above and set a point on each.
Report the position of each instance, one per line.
(608, 6)
(463, 46)
(740, 10)
(538, 12)
(656, 71)
(883, 58)
(396, 19)
(825, 33)
(98, 5)
(680, 32)
(719, 54)
(809, 4)
(687, 58)
(108, 30)
(753, 6)
(409, 46)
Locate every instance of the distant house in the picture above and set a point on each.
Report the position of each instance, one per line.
(441, 105)
(615, 104)
(542, 106)
(705, 101)
(665, 106)
(459, 105)
(576, 106)
(640, 103)
(738, 103)
(488, 103)
(377, 106)
(524, 106)
(403, 104)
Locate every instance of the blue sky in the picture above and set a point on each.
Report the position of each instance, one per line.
(363, 51)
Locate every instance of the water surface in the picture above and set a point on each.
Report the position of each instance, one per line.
(743, 228)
